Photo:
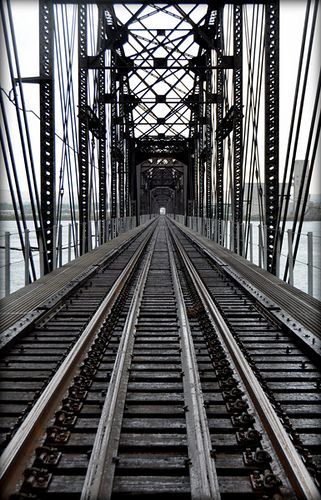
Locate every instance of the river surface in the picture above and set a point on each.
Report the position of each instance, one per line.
(300, 270)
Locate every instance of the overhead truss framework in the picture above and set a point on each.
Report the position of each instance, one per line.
(161, 179)
(162, 96)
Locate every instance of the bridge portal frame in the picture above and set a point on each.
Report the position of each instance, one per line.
(48, 129)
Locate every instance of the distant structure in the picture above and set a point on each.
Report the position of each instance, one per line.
(297, 177)
(254, 192)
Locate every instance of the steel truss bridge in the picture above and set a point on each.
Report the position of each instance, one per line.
(144, 106)
(159, 361)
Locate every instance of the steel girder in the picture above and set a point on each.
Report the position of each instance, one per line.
(237, 131)
(113, 131)
(271, 129)
(194, 158)
(102, 132)
(200, 148)
(47, 131)
(120, 124)
(196, 165)
(121, 149)
(83, 130)
(208, 139)
(219, 187)
(128, 134)
(195, 150)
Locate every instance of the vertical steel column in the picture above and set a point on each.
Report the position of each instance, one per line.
(190, 176)
(208, 136)
(102, 133)
(195, 179)
(113, 130)
(194, 161)
(219, 119)
(47, 129)
(138, 193)
(128, 129)
(121, 149)
(7, 264)
(310, 263)
(27, 257)
(200, 131)
(271, 128)
(189, 207)
(127, 179)
(290, 255)
(237, 128)
(131, 176)
(83, 130)
(200, 134)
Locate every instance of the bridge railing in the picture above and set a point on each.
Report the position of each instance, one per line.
(16, 269)
(304, 271)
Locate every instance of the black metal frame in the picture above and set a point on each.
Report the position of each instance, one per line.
(200, 148)
(208, 138)
(102, 133)
(219, 167)
(83, 200)
(121, 148)
(237, 131)
(271, 129)
(113, 145)
(47, 131)
(123, 99)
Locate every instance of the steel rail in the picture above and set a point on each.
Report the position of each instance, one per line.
(15, 456)
(305, 335)
(298, 475)
(196, 239)
(98, 483)
(39, 310)
(203, 476)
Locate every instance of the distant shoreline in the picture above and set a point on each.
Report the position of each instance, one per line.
(254, 218)
(28, 217)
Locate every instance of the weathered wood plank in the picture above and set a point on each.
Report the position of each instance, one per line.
(164, 440)
(151, 485)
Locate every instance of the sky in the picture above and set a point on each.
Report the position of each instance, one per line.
(25, 14)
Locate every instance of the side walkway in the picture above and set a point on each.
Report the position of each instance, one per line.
(297, 304)
(51, 287)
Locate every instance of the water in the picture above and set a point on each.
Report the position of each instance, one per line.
(300, 270)
(301, 267)
(17, 268)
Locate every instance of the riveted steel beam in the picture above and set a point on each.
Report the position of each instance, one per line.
(47, 131)
(237, 130)
(102, 130)
(271, 129)
(219, 167)
(208, 139)
(83, 130)
(113, 131)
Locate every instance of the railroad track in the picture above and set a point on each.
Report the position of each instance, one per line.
(31, 356)
(161, 394)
